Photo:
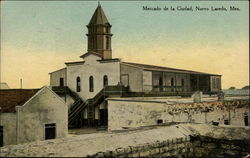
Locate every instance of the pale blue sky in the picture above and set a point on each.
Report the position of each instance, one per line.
(42, 28)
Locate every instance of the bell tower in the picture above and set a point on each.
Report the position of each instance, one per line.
(99, 34)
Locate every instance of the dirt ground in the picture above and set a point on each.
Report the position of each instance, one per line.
(87, 144)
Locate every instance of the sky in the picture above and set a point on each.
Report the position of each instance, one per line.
(39, 37)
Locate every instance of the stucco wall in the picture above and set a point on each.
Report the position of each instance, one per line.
(215, 83)
(43, 108)
(135, 77)
(55, 77)
(147, 81)
(8, 121)
(69, 101)
(94, 68)
(132, 113)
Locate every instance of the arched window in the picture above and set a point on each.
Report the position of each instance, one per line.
(105, 80)
(91, 84)
(78, 84)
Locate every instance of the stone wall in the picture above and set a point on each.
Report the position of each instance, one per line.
(198, 146)
(135, 113)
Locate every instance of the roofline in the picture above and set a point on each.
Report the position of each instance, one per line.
(18, 89)
(58, 70)
(109, 60)
(75, 63)
(37, 94)
(140, 66)
(88, 53)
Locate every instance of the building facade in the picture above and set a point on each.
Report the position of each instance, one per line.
(97, 69)
(28, 115)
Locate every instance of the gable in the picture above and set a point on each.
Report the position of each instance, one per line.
(45, 99)
(90, 59)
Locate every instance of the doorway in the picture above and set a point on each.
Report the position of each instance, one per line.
(103, 117)
(1, 136)
(61, 82)
(50, 131)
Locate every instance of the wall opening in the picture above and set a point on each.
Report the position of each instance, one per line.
(246, 120)
(160, 121)
(215, 123)
(1, 136)
(103, 117)
(91, 84)
(105, 80)
(61, 82)
(50, 131)
(226, 122)
(78, 84)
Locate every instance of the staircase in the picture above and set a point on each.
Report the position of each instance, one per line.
(75, 115)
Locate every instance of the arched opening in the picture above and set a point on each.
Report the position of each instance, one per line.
(105, 80)
(91, 84)
(78, 84)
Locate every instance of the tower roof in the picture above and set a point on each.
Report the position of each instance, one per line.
(99, 17)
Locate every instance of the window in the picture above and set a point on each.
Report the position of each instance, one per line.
(50, 131)
(107, 42)
(159, 121)
(226, 122)
(91, 84)
(107, 29)
(105, 80)
(78, 84)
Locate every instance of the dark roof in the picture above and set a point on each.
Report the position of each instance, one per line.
(10, 98)
(98, 17)
(109, 60)
(91, 52)
(161, 68)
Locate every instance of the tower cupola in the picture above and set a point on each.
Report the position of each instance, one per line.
(99, 34)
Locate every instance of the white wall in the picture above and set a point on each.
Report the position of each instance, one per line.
(132, 113)
(94, 68)
(135, 77)
(43, 108)
(55, 77)
(147, 81)
(8, 121)
(214, 85)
